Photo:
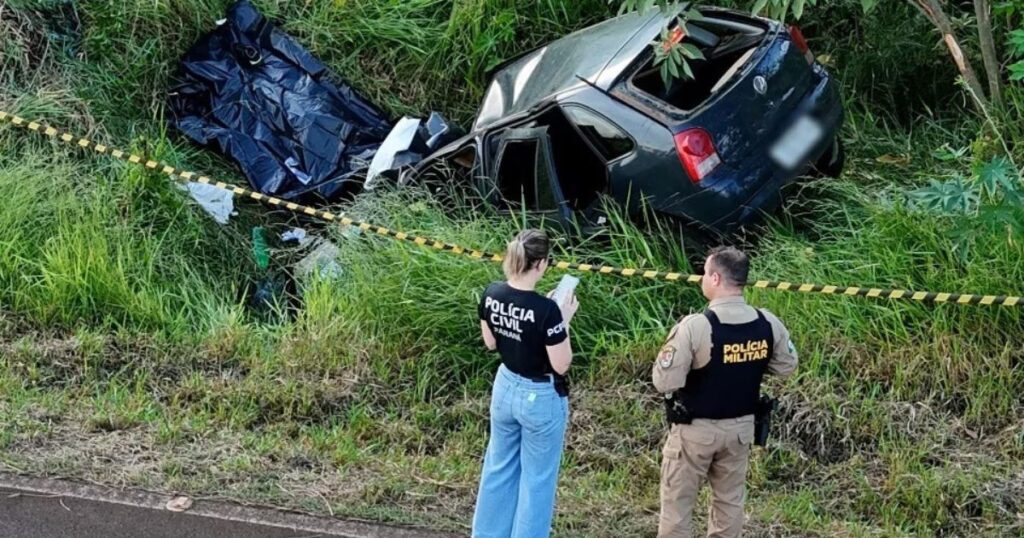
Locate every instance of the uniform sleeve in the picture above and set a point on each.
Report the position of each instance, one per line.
(481, 312)
(675, 357)
(784, 355)
(554, 326)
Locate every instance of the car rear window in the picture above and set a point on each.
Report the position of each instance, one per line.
(606, 137)
(727, 47)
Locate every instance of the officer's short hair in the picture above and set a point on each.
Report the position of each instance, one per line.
(732, 263)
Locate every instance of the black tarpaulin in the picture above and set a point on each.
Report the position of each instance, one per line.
(253, 93)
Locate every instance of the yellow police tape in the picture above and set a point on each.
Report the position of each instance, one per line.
(185, 176)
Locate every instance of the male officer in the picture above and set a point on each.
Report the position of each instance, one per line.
(710, 371)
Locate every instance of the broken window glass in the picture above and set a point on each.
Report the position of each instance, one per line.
(517, 173)
(607, 138)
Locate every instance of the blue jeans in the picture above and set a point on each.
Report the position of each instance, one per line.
(520, 474)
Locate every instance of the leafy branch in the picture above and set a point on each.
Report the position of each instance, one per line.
(672, 54)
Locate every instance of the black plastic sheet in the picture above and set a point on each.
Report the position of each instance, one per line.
(253, 93)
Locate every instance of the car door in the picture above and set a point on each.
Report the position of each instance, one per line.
(524, 177)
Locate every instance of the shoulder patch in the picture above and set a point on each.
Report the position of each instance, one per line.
(665, 357)
(792, 348)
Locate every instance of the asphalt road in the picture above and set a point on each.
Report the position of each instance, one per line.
(45, 508)
(29, 515)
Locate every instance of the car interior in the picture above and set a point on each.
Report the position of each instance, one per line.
(581, 172)
(726, 45)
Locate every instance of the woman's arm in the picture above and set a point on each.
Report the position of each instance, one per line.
(560, 356)
(489, 340)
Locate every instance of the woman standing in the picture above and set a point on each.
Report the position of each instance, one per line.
(529, 404)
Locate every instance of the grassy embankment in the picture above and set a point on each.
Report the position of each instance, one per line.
(126, 356)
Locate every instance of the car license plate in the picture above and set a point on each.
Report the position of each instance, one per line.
(794, 145)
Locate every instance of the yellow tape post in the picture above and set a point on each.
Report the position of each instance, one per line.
(340, 218)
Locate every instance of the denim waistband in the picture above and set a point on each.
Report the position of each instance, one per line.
(509, 376)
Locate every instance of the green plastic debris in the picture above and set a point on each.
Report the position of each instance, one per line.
(260, 251)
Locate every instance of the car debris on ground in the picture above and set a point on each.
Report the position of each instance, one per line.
(216, 202)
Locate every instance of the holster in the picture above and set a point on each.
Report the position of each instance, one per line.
(763, 419)
(676, 412)
(561, 385)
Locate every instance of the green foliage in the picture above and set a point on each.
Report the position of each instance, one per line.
(672, 53)
(952, 196)
(782, 9)
(992, 200)
(642, 6)
(1015, 48)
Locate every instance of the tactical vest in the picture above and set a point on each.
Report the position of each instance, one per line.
(729, 385)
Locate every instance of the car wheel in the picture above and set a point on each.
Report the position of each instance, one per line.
(831, 162)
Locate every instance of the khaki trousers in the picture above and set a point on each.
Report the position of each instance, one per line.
(714, 449)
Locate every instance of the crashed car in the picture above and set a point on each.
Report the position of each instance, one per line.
(589, 116)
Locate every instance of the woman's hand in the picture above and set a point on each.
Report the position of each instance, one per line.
(569, 308)
(572, 304)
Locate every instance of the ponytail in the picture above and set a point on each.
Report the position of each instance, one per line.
(525, 251)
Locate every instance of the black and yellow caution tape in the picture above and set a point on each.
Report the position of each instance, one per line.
(186, 176)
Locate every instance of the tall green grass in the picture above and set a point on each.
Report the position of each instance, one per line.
(84, 248)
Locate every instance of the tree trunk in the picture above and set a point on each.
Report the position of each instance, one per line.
(933, 11)
(983, 10)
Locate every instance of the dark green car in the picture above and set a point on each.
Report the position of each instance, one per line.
(589, 115)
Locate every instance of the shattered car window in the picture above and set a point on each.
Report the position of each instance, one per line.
(607, 138)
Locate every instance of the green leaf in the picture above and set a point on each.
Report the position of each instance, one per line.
(666, 5)
(687, 70)
(758, 6)
(995, 175)
(953, 196)
(1016, 42)
(948, 153)
(1017, 71)
(868, 5)
(781, 9)
(798, 9)
(666, 76)
(692, 52)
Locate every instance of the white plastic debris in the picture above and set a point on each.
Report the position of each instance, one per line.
(398, 140)
(218, 203)
(295, 234)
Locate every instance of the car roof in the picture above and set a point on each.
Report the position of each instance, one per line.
(596, 55)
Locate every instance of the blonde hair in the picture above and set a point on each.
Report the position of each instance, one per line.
(524, 251)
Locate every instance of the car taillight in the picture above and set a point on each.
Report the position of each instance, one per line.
(697, 153)
(800, 43)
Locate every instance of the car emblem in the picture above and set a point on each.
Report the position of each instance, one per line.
(760, 84)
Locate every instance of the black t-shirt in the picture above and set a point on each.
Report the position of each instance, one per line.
(523, 323)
